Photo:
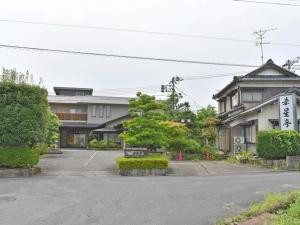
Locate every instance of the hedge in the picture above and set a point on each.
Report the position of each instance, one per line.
(13, 157)
(158, 162)
(277, 144)
(23, 113)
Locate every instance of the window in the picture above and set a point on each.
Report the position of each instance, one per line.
(101, 111)
(54, 109)
(223, 106)
(108, 111)
(79, 93)
(235, 100)
(93, 113)
(250, 134)
(252, 96)
(75, 111)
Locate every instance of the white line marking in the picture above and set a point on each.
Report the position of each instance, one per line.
(92, 156)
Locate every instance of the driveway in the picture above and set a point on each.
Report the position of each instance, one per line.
(75, 162)
(78, 162)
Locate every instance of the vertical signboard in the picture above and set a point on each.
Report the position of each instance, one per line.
(288, 112)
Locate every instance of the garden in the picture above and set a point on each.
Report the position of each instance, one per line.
(173, 132)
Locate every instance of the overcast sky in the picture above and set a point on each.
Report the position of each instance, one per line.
(222, 18)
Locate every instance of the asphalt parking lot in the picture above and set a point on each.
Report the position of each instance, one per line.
(74, 162)
(71, 191)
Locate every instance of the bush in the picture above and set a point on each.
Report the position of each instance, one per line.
(147, 162)
(23, 113)
(277, 144)
(242, 157)
(12, 157)
(192, 146)
(213, 151)
(94, 144)
(43, 148)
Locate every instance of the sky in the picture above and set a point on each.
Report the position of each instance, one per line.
(123, 77)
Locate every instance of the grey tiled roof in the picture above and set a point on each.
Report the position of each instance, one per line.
(88, 100)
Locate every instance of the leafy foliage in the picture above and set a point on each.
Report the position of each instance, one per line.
(242, 157)
(177, 135)
(102, 144)
(277, 144)
(145, 128)
(23, 113)
(12, 157)
(52, 128)
(148, 162)
(206, 123)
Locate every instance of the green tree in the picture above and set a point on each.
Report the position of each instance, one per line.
(177, 134)
(207, 122)
(52, 128)
(23, 110)
(145, 128)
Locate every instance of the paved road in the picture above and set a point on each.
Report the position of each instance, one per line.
(74, 162)
(77, 198)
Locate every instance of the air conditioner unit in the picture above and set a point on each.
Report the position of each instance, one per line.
(238, 140)
(239, 148)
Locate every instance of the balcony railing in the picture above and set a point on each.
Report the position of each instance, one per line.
(72, 116)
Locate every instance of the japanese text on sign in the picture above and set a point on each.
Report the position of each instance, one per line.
(287, 112)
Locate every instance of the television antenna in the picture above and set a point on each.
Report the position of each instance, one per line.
(260, 36)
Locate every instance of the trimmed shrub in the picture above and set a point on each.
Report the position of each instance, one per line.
(102, 145)
(148, 162)
(277, 144)
(23, 113)
(13, 157)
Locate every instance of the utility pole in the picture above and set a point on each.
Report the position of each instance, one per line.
(260, 36)
(171, 87)
(289, 63)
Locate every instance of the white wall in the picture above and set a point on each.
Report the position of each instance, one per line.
(270, 112)
(116, 112)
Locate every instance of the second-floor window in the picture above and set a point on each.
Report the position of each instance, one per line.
(235, 100)
(222, 106)
(93, 111)
(75, 111)
(101, 111)
(79, 93)
(108, 111)
(252, 96)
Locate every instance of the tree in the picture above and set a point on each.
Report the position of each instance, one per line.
(52, 128)
(24, 110)
(177, 134)
(207, 122)
(145, 128)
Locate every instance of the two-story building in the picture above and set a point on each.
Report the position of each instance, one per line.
(81, 113)
(249, 103)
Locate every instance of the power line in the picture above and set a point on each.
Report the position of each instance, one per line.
(268, 3)
(195, 102)
(143, 32)
(124, 56)
(213, 75)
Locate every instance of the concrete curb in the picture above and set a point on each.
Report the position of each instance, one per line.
(19, 172)
(143, 172)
